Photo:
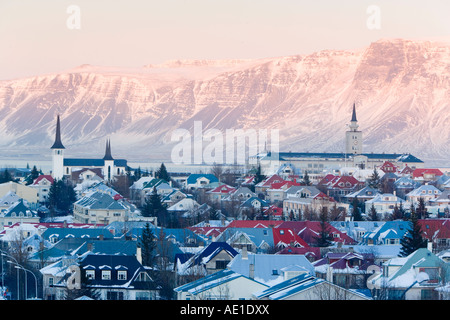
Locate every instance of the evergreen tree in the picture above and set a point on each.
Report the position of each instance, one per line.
(6, 176)
(356, 212)
(398, 213)
(373, 214)
(324, 239)
(412, 240)
(155, 208)
(306, 179)
(374, 180)
(421, 210)
(34, 173)
(258, 175)
(61, 196)
(162, 173)
(147, 243)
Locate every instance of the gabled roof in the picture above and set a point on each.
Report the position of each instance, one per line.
(420, 172)
(364, 193)
(309, 231)
(268, 267)
(192, 179)
(211, 281)
(404, 276)
(254, 223)
(222, 189)
(270, 180)
(100, 200)
(47, 177)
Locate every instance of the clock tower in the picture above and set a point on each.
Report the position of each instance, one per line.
(353, 137)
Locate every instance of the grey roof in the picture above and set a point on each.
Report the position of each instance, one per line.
(265, 264)
(100, 200)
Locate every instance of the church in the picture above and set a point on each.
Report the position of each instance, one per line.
(317, 163)
(62, 166)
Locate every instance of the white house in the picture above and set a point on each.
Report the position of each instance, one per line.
(385, 203)
(222, 285)
(427, 192)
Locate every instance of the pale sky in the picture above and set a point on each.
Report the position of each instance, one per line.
(35, 38)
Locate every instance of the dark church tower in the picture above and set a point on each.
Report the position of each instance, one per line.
(108, 169)
(58, 153)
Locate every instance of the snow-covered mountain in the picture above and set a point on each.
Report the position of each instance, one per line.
(401, 89)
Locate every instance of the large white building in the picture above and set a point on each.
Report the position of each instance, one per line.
(62, 166)
(318, 163)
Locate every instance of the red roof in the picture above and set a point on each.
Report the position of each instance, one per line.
(388, 167)
(41, 177)
(435, 228)
(284, 184)
(420, 172)
(287, 237)
(207, 231)
(254, 223)
(223, 189)
(270, 180)
(313, 252)
(309, 231)
(274, 211)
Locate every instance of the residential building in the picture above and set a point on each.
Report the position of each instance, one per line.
(222, 285)
(307, 287)
(415, 277)
(100, 208)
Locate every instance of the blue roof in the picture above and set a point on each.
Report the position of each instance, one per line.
(212, 250)
(192, 179)
(210, 281)
(265, 264)
(82, 162)
(289, 287)
(87, 233)
(384, 156)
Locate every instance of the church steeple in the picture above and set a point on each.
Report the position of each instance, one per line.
(354, 122)
(58, 144)
(354, 113)
(108, 155)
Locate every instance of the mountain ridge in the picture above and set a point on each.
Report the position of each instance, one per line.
(400, 88)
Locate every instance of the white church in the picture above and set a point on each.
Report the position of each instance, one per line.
(62, 166)
(317, 163)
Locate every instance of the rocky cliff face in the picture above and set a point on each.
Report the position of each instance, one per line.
(400, 87)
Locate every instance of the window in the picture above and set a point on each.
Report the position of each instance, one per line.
(112, 295)
(106, 275)
(221, 264)
(121, 275)
(50, 281)
(90, 274)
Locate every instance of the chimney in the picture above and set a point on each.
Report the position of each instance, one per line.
(244, 253)
(251, 271)
(139, 254)
(330, 274)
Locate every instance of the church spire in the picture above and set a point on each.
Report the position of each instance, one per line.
(58, 144)
(108, 155)
(354, 113)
